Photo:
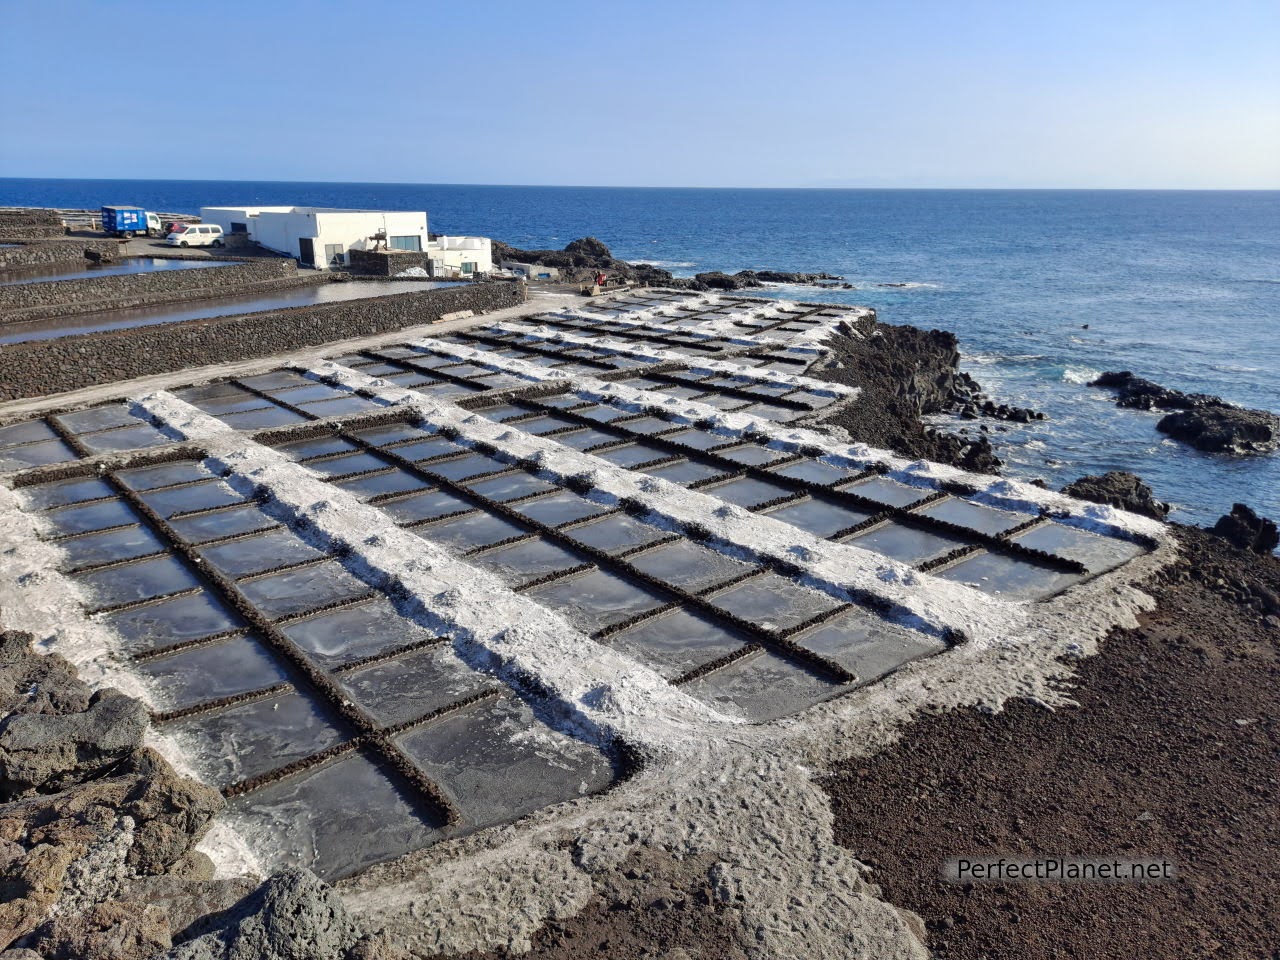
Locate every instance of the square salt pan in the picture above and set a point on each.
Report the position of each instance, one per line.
(773, 602)
(136, 581)
(1096, 553)
(347, 634)
(425, 506)
(889, 492)
(37, 454)
(306, 588)
(246, 740)
(528, 560)
(90, 516)
(615, 534)
(974, 516)
(761, 688)
(689, 565)
(64, 492)
(124, 438)
(26, 432)
(199, 496)
(335, 819)
(414, 685)
(906, 543)
(866, 645)
(222, 523)
(557, 508)
(676, 642)
(1009, 578)
(267, 551)
(497, 762)
(206, 673)
(470, 532)
(125, 543)
(597, 599)
(164, 475)
(167, 623)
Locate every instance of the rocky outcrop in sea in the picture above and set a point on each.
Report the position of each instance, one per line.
(1202, 420)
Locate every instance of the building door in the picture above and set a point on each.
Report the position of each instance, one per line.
(307, 251)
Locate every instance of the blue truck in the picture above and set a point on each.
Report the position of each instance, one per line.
(129, 221)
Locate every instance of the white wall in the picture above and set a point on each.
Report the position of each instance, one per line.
(280, 228)
(452, 252)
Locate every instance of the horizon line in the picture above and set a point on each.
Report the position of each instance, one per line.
(572, 186)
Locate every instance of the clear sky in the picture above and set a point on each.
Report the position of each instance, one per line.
(955, 93)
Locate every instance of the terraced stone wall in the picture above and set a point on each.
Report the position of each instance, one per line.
(41, 367)
(37, 254)
(28, 301)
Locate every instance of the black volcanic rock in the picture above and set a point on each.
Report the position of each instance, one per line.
(1247, 530)
(1142, 394)
(1205, 422)
(581, 259)
(1118, 489)
(1223, 429)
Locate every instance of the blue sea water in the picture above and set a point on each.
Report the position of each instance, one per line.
(1180, 287)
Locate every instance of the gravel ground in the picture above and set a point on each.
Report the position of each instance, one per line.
(1174, 749)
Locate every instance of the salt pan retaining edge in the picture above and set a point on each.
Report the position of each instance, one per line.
(996, 491)
(606, 693)
(936, 606)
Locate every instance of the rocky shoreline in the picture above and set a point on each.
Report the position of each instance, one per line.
(582, 259)
(1202, 420)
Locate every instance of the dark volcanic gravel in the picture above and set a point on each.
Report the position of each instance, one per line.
(655, 919)
(1173, 750)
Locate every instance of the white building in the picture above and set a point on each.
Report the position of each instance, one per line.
(460, 256)
(321, 237)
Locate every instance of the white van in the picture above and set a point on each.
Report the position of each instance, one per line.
(197, 235)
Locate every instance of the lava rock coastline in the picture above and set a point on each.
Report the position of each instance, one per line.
(582, 259)
(1202, 420)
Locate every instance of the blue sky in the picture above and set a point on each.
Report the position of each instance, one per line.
(696, 93)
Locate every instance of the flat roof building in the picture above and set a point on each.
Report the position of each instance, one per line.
(322, 237)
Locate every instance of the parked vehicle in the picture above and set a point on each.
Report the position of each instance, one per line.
(129, 222)
(197, 235)
(174, 226)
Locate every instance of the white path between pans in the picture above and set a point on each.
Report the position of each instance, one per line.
(699, 365)
(996, 491)
(926, 603)
(603, 692)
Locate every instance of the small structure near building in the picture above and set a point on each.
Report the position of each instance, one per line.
(531, 271)
(327, 237)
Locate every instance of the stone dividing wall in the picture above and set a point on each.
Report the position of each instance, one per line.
(30, 217)
(41, 254)
(58, 298)
(30, 232)
(379, 263)
(41, 367)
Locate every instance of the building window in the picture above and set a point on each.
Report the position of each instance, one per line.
(468, 267)
(239, 227)
(404, 243)
(334, 254)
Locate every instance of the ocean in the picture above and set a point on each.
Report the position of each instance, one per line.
(1043, 288)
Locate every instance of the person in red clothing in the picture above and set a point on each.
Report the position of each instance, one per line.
(600, 278)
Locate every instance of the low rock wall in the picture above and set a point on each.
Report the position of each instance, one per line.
(380, 263)
(30, 232)
(41, 367)
(42, 254)
(57, 298)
